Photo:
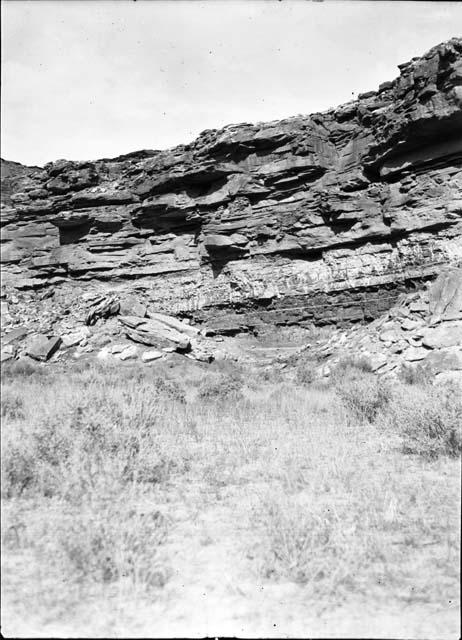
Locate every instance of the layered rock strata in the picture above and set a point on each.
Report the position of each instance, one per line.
(320, 218)
(420, 334)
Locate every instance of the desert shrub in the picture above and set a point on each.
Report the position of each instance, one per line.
(73, 426)
(297, 542)
(12, 404)
(227, 367)
(360, 363)
(307, 545)
(415, 375)
(18, 469)
(21, 369)
(305, 374)
(429, 419)
(220, 387)
(109, 540)
(363, 394)
(84, 365)
(269, 374)
(128, 377)
(168, 390)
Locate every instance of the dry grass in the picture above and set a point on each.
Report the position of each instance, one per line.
(429, 418)
(109, 473)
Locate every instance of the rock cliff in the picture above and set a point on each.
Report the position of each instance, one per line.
(321, 218)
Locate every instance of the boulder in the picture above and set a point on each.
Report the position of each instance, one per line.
(445, 297)
(131, 321)
(168, 349)
(107, 307)
(149, 356)
(444, 335)
(7, 353)
(415, 353)
(117, 348)
(174, 323)
(101, 340)
(200, 351)
(419, 306)
(42, 348)
(155, 333)
(145, 338)
(128, 353)
(449, 359)
(408, 324)
(389, 336)
(76, 337)
(449, 377)
(15, 335)
(377, 361)
(130, 306)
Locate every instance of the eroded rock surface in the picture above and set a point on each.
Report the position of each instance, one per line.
(325, 218)
(407, 335)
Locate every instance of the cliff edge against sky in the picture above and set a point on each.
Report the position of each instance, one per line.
(320, 218)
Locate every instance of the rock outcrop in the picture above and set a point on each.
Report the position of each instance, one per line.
(423, 330)
(322, 218)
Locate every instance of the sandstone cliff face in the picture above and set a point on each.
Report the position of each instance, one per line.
(317, 218)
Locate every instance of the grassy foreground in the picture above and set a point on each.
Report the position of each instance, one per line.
(215, 501)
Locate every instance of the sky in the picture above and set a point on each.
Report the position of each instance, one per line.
(90, 79)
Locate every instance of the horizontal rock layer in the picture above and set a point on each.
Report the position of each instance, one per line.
(333, 213)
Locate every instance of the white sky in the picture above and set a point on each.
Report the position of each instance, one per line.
(85, 80)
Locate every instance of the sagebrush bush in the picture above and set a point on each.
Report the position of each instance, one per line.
(309, 545)
(11, 404)
(19, 469)
(109, 540)
(361, 363)
(75, 423)
(415, 374)
(297, 542)
(21, 369)
(269, 374)
(429, 419)
(363, 394)
(305, 374)
(219, 387)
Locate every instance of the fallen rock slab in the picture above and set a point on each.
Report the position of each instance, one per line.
(118, 348)
(131, 321)
(75, 338)
(148, 339)
(42, 348)
(149, 356)
(449, 359)
(129, 353)
(4, 310)
(377, 361)
(445, 335)
(107, 307)
(200, 352)
(174, 323)
(130, 306)
(389, 336)
(6, 354)
(15, 334)
(154, 333)
(445, 297)
(415, 353)
(409, 324)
